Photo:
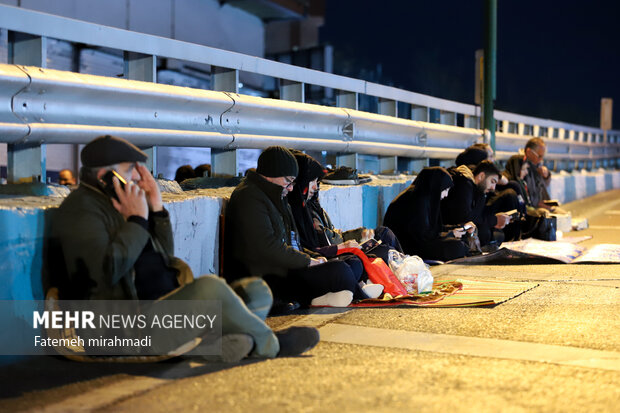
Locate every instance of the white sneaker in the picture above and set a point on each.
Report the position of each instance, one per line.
(373, 290)
(339, 299)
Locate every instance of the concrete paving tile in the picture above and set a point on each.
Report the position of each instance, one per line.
(351, 378)
(553, 313)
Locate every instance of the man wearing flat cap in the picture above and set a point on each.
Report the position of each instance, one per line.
(117, 244)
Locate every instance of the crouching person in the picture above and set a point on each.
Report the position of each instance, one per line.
(117, 244)
(261, 239)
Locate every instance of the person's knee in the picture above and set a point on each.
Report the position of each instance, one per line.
(252, 289)
(212, 287)
(356, 266)
(255, 293)
(344, 272)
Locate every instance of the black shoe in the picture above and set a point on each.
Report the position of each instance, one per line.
(281, 307)
(297, 340)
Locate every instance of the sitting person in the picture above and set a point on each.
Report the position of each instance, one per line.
(467, 200)
(502, 198)
(65, 177)
(315, 227)
(117, 244)
(415, 217)
(261, 239)
(538, 177)
(184, 172)
(517, 170)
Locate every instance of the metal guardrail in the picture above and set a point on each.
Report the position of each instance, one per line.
(40, 106)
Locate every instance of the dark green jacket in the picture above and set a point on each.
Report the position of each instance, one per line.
(100, 248)
(257, 231)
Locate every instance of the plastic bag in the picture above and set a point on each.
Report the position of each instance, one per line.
(412, 272)
(379, 273)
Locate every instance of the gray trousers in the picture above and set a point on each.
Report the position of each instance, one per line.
(245, 305)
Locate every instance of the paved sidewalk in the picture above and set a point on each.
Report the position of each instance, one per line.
(554, 348)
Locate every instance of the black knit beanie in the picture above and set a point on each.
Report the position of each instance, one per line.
(276, 161)
(109, 150)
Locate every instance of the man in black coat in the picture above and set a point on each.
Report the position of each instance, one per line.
(262, 240)
(468, 198)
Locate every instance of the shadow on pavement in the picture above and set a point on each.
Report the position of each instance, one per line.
(39, 373)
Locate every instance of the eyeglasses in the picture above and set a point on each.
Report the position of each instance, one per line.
(288, 182)
(538, 155)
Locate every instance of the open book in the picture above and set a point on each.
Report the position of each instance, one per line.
(567, 252)
(534, 251)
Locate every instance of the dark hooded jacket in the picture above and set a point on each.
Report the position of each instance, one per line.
(414, 215)
(535, 183)
(465, 201)
(309, 169)
(513, 172)
(258, 232)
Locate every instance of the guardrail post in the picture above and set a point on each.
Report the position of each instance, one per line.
(138, 66)
(224, 162)
(26, 162)
(419, 113)
(346, 99)
(224, 79)
(447, 118)
(347, 159)
(388, 107)
(471, 122)
(293, 91)
(388, 164)
(411, 165)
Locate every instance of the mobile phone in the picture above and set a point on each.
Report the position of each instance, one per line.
(370, 244)
(513, 214)
(551, 202)
(107, 185)
(466, 227)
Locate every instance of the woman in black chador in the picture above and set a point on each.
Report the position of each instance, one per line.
(415, 217)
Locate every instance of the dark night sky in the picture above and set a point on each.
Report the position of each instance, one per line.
(555, 59)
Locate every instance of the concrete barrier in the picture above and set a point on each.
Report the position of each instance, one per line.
(195, 222)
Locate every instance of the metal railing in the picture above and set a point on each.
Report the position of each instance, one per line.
(39, 106)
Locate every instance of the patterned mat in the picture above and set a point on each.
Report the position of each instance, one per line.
(456, 293)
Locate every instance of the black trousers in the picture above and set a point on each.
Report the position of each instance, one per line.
(445, 249)
(502, 201)
(304, 284)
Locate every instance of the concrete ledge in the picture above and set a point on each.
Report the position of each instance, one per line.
(567, 187)
(195, 221)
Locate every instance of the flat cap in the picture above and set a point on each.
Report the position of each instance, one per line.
(109, 150)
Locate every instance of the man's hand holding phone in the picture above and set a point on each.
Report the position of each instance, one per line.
(131, 199)
(502, 220)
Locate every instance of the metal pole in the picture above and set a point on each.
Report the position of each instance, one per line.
(490, 58)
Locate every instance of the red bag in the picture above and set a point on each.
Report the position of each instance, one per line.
(379, 273)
